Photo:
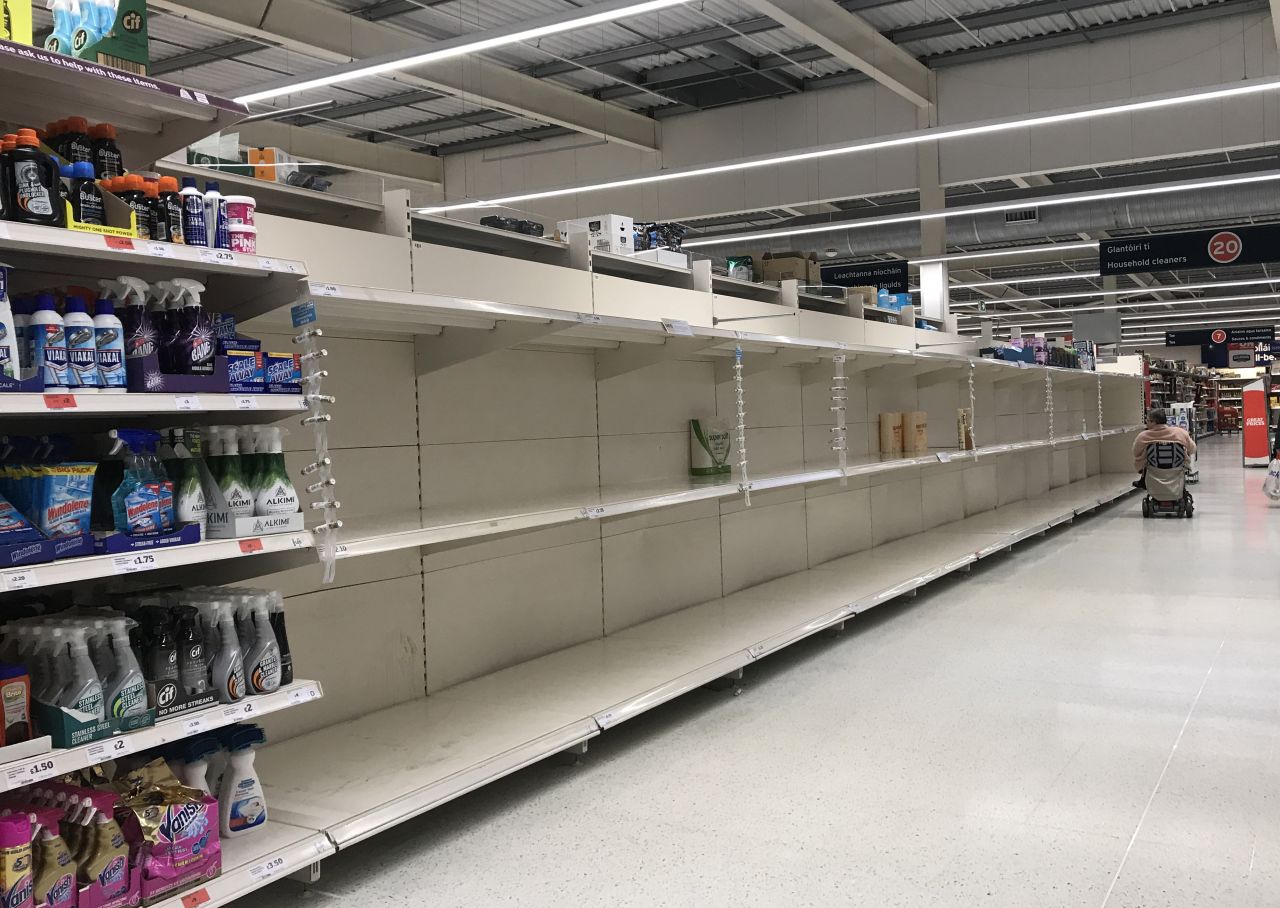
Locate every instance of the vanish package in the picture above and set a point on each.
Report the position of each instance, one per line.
(178, 827)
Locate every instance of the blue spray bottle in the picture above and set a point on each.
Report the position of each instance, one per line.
(138, 505)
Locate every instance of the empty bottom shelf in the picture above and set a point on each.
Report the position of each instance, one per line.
(354, 780)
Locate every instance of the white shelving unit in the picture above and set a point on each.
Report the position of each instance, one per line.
(72, 404)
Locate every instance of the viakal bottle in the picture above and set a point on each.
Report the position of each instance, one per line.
(82, 346)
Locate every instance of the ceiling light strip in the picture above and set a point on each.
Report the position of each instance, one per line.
(1143, 291)
(1004, 253)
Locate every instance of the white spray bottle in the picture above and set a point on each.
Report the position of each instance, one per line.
(231, 481)
(10, 357)
(84, 692)
(126, 693)
(241, 801)
(275, 493)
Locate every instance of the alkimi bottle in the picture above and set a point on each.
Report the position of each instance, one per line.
(275, 493)
(235, 491)
(189, 500)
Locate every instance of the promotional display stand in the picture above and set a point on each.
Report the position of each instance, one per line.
(1257, 434)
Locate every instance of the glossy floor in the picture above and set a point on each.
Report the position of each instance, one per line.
(1091, 720)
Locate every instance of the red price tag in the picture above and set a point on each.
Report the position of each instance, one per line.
(118, 242)
(60, 401)
(249, 546)
(195, 899)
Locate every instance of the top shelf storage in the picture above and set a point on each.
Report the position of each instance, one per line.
(154, 118)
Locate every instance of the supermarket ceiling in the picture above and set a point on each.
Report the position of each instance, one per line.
(609, 80)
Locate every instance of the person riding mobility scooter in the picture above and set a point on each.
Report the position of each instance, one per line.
(1162, 454)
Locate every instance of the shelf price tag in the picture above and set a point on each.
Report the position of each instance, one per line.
(588, 318)
(21, 580)
(249, 546)
(187, 402)
(944, 457)
(60, 402)
(595, 512)
(268, 264)
(110, 750)
(324, 290)
(195, 899)
(35, 771)
(193, 726)
(303, 695)
(297, 542)
(677, 326)
(292, 267)
(160, 250)
(248, 402)
(267, 869)
(132, 564)
(217, 256)
(118, 242)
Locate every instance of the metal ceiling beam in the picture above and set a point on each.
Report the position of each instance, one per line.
(723, 50)
(324, 145)
(331, 35)
(538, 134)
(851, 39)
(228, 51)
(1275, 20)
(1022, 12)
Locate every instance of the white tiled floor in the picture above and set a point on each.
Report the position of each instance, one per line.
(1090, 721)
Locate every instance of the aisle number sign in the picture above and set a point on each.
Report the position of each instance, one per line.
(1251, 245)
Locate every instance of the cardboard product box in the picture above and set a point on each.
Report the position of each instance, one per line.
(124, 46)
(608, 232)
(17, 21)
(790, 266)
(891, 434)
(664, 257)
(272, 164)
(915, 432)
(283, 372)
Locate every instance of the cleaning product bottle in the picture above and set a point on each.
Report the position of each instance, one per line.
(49, 343)
(262, 661)
(161, 650)
(161, 484)
(107, 161)
(231, 482)
(215, 216)
(10, 337)
(82, 832)
(135, 504)
(23, 307)
(66, 14)
(106, 861)
(195, 350)
(104, 662)
(241, 801)
(159, 217)
(133, 196)
(76, 146)
(164, 309)
(108, 336)
(195, 753)
(87, 205)
(228, 666)
(15, 861)
(34, 183)
(275, 493)
(191, 666)
(194, 230)
(171, 204)
(139, 332)
(275, 608)
(81, 338)
(84, 693)
(189, 499)
(126, 692)
(55, 884)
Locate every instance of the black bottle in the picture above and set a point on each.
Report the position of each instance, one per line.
(276, 617)
(135, 198)
(85, 196)
(76, 146)
(192, 669)
(107, 160)
(159, 216)
(161, 648)
(33, 183)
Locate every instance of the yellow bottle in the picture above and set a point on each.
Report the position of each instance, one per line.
(15, 861)
(108, 859)
(55, 883)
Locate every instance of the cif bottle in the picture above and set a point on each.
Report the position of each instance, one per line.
(33, 184)
(48, 343)
(82, 346)
(194, 229)
(109, 340)
(192, 671)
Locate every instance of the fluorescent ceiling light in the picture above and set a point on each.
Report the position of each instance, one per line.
(1200, 300)
(1003, 253)
(1155, 320)
(444, 50)
(916, 137)
(1141, 291)
(1270, 176)
(1044, 279)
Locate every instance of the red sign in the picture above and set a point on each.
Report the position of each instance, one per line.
(195, 899)
(60, 401)
(118, 242)
(249, 546)
(1225, 247)
(1218, 336)
(1257, 440)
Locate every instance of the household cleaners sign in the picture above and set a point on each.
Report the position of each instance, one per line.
(1194, 249)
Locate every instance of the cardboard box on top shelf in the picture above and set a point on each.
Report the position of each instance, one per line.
(219, 152)
(789, 266)
(274, 165)
(124, 46)
(891, 434)
(608, 232)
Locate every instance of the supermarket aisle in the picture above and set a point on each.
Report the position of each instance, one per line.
(1091, 720)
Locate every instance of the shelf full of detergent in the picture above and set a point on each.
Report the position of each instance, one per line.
(72, 175)
(137, 490)
(141, 337)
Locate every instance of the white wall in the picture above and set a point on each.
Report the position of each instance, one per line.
(1159, 60)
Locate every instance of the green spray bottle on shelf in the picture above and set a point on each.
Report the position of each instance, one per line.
(275, 493)
(251, 457)
(188, 494)
(231, 482)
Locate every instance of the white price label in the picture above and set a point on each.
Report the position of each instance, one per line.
(297, 542)
(35, 771)
(324, 290)
(589, 319)
(160, 250)
(217, 256)
(303, 695)
(340, 549)
(677, 326)
(248, 402)
(267, 869)
(21, 580)
(742, 335)
(944, 457)
(604, 720)
(132, 564)
(293, 267)
(110, 750)
(593, 513)
(193, 726)
(268, 264)
(4, 232)
(187, 402)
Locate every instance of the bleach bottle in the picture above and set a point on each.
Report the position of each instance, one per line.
(109, 340)
(48, 343)
(194, 230)
(82, 346)
(241, 801)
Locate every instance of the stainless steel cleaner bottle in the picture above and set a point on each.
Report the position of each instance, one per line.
(228, 665)
(84, 693)
(126, 688)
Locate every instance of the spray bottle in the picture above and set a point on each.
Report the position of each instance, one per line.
(135, 505)
(84, 693)
(275, 493)
(231, 482)
(139, 332)
(55, 884)
(192, 671)
(189, 500)
(194, 348)
(10, 358)
(126, 691)
(163, 312)
(275, 608)
(228, 666)
(241, 801)
(106, 860)
(262, 661)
